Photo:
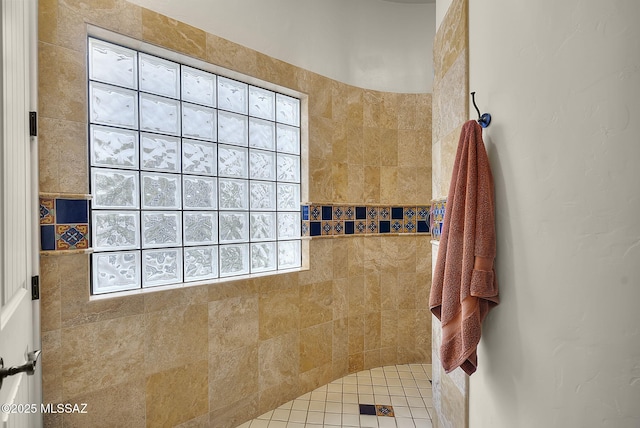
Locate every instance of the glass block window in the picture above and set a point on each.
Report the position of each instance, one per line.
(194, 176)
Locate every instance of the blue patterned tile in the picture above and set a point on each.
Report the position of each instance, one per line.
(384, 213)
(409, 226)
(72, 236)
(349, 213)
(338, 227)
(372, 213)
(361, 226)
(338, 213)
(372, 226)
(409, 213)
(305, 228)
(72, 211)
(314, 213)
(47, 211)
(423, 213)
(327, 228)
(396, 226)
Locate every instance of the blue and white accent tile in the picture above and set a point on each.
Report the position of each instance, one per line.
(64, 224)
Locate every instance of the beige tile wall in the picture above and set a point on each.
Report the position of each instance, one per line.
(450, 111)
(219, 355)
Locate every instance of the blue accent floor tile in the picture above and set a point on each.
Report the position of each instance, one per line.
(349, 228)
(48, 238)
(396, 213)
(367, 409)
(315, 228)
(71, 211)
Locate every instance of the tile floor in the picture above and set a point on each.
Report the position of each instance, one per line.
(385, 397)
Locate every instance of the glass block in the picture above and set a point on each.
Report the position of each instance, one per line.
(263, 226)
(289, 254)
(109, 105)
(159, 114)
(232, 95)
(262, 103)
(114, 188)
(288, 197)
(262, 134)
(161, 229)
(200, 228)
(113, 147)
(287, 110)
(110, 63)
(234, 227)
(288, 225)
(161, 191)
(232, 129)
(199, 157)
(198, 122)
(115, 271)
(263, 196)
(160, 153)
(200, 263)
(233, 194)
(288, 139)
(198, 86)
(232, 162)
(115, 230)
(262, 165)
(234, 260)
(288, 168)
(159, 76)
(199, 193)
(161, 267)
(263, 257)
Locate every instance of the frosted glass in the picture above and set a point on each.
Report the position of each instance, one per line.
(112, 147)
(263, 196)
(199, 193)
(262, 134)
(161, 267)
(232, 129)
(109, 105)
(160, 153)
(288, 139)
(233, 194)
(262, 103)
(234, 227)
(116, 271)
(263, 226)
(262, 165)
(115, 230)
(200, 263)
(159, 114)
(198, 122)
(161, 229)
(234, 260)
(199, 157)
(289, 254)
(159, 76)
(114, 188)
(232, 95)
(287, 110)
(198, 86)
(263, 257)
(288, 197)
(288, 225)
(110, 63)
(233, 162)
(200, 228)
(161, 191)
(288, 168)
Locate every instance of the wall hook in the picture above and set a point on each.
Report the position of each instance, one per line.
(485, 119)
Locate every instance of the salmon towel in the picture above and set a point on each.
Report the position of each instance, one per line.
(464, 284)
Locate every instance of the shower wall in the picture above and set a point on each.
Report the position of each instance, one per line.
(450, 111)
(221, 354)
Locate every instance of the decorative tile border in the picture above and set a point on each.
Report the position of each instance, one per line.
(438, 208)
(64, 223)
(320, 220)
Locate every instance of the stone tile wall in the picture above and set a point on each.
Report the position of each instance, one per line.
(219, 355)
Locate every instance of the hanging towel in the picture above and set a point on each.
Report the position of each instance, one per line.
(464, 284)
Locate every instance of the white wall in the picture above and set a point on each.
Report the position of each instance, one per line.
(562, 81)
(371, 44)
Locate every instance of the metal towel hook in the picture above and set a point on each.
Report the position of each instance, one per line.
(485, 119)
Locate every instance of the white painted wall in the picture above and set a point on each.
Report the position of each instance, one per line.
(562, 81)
(371, 44)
